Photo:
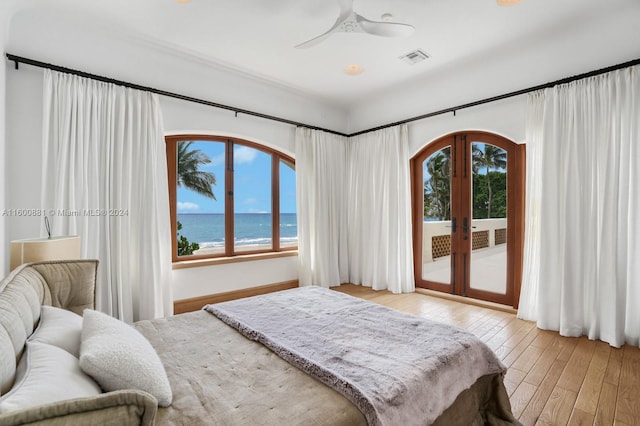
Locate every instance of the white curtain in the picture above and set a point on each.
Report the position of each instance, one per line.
(379, 211)
(354, 210)
(321, 164)
(105, 179)
(582, 250)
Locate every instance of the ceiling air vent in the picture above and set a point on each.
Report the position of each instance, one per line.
(414, 57)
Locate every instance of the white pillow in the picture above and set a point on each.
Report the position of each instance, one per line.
(59, 327)
(47, 374)
(118, 357)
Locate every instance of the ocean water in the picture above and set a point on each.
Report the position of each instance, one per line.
(250, 228)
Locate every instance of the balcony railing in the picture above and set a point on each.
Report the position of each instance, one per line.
(436, 236)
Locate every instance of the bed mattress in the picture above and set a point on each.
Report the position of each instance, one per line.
(219, 377)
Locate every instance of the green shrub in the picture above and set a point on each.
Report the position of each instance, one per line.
(185, 248)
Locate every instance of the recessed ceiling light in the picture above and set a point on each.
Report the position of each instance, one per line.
(183, 1)
(353, 69)
(508, 2)
(386, 17)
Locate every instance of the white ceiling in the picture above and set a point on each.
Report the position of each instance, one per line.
(258, 36)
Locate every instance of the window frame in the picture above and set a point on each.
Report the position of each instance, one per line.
(171, 145)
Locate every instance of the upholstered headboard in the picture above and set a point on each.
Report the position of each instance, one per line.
(64, 284)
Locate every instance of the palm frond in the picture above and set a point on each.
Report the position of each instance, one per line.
(189, 174)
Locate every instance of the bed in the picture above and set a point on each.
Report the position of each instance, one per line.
(224, 369)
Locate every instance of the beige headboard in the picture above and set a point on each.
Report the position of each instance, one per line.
(65, 284)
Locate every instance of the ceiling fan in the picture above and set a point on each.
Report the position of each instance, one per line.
(350, 22)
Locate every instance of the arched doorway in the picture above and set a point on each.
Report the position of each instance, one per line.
(468, 216)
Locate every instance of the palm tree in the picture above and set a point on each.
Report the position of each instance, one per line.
(437, 188)
(191, 177)
(189, 174)
(491, 158)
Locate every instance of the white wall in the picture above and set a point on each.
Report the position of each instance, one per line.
(187, 117)
(194, 282)
(23, 149)
(505, 117)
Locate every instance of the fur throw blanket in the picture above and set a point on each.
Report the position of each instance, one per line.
(398, 369)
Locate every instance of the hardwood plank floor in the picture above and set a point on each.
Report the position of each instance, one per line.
(551, 380)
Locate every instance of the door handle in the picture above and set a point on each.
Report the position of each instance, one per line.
(465, 225)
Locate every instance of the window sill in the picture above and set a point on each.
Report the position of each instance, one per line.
(235, 259)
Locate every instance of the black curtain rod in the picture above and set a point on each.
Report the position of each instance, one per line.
(506, 95)
(18, 60)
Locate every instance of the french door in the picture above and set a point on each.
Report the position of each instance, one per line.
(468, 202)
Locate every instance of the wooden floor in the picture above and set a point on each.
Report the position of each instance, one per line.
(551, 380)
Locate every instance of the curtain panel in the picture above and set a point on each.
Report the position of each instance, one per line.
(581, 269)
(354, 209)
(321, 164)
(105, 179)
(379, 211)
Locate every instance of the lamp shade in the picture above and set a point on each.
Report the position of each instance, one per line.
(39, 249)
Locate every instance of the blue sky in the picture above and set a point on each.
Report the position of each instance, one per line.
(252, 192)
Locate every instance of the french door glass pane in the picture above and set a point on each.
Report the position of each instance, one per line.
(436, 225)
(489, 224)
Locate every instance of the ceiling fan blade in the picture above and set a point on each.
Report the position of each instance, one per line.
(385, 29)
(345, 14)
(316, 40)
(348, 21)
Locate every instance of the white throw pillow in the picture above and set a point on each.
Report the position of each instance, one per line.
(47, 374)
(118, 357)
(59, 327)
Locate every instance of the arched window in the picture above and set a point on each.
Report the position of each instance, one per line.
(228, 197)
